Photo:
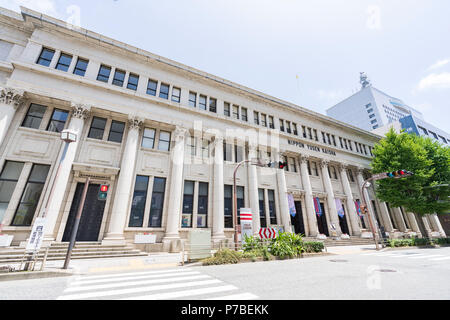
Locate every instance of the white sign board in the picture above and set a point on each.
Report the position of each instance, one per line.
(246, 222)
(37, 235)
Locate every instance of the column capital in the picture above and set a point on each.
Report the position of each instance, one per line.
(342, 166)
(81, 110)
(303, 158)
(12, 97)
(324, 163)
(179, 133)
(135, 123)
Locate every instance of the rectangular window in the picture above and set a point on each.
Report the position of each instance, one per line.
(315, 135)
(104, 73)
(176, 94)
(188, 204)
(310, 133)
(227, 152)
(202, 102)
(256, 117)
(345, 144)
(309, 167)
(119, 77)
(263, 120)
(244, 114)
(292, 165)
(373, 121)
(350, 145)
(58, 120)
(328, 139)
(370, 110)
(304, 132)
(226, 109)
(235, 111)
(81, 67)
(97, 128)
(272, 210)
(191, 146)
(116, 131)
(202, 211)
(164, 141)
(350, 175)
(34, 116)
(205, 148)
(64, 62)
(151, 87)
(294, 127)
(271, 123)
(371, 116)
(262, 208)
(288, 127)
(238, 154)
(324, 139)
(315, 169)
(192, 99)
(31, 195)
(46, 56)
(334, 140)
(282, 125)
(138, 202)
(148, 139)
(164, 91)
(133, 80)
(340, 141)
(228, 206)
(8, 181)
(212, 105)
(240, 201)
(157, 205)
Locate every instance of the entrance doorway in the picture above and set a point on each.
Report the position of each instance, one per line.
(343, 223)
(322, 222)
(297, 220)
(91, 217)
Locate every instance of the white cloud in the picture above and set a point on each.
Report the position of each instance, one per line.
(47, 7)
(439, 64)
(435, 81)
(373, 21)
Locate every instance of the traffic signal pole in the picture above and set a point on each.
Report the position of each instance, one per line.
(73, 236)
(366, 210)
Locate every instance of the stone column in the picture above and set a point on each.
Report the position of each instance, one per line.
(360, 179)
(309, 204)
(401, 221)
(386, 218)
(427, 227)
(176, 188)
(253, 189)
(413, 222)
(351, 210)
(10, 100)
(122, 196)
(436, 225)
(218, 196)
(330, 196)
(80, 112)
(282, 195)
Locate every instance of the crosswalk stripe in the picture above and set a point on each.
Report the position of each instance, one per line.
(440, 259)
(136, 290)
(238, 296)
(134, 274)
(426, 256)
(184, 293)
(135, 283)
(117, 279)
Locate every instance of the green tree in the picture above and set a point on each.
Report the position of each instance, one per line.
(427, 191)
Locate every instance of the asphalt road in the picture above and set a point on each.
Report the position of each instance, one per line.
(397, 274)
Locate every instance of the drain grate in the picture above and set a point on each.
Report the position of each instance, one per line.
(338, 260)
(386, 270)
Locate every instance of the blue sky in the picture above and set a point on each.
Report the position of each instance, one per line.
(306, 52)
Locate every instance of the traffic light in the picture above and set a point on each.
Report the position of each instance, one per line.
(281, 165)
(399, 174)
(103, 192)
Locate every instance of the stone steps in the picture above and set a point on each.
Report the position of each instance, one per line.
(58, 251)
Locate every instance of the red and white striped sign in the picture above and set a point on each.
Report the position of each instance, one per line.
(267, 233)
(245, 216)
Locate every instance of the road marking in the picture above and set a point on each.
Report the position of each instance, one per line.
(440, 259)
(136, 290)
(134, 283)
(133, 273)
(238, 296)
(185, 293)
(425, 256)
(172, 274)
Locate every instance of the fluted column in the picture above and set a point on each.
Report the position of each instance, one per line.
(10, 100)
(413, 222)
(351, 210)
(176, 187)
(80, 112)
(436, 224)
(387, 222)
(330, 196)
(401, 221)
(360, 179)
(122, 196)
(218, 233)
(282, 195)
(253, 189)
(309, 204)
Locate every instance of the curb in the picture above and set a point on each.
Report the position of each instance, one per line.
(23, 275)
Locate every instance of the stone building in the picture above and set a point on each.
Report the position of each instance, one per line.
(166, 139)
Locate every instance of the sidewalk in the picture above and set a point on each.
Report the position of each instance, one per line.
(353, 249)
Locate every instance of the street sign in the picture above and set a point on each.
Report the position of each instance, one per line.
(267, 233)
(245, 215)
(37, 235)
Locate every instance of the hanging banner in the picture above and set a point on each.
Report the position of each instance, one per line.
(317, 206)
(358, 209)
(291, 203)
(339, 208)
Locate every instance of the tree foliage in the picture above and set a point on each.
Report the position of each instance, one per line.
(426, 192)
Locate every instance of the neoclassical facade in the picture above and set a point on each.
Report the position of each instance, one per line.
(166, 138)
